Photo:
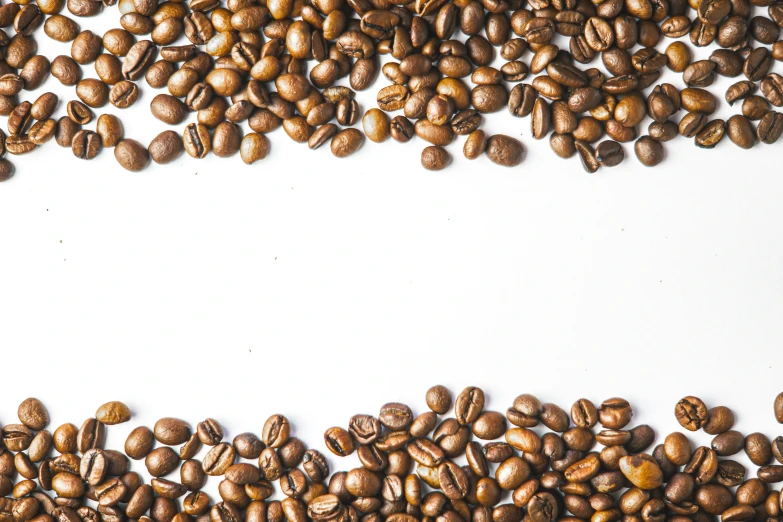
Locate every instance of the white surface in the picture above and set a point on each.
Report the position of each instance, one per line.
(321, 287)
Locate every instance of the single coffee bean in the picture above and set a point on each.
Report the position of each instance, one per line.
(139, 443)
(728, 443)
(65, 130)
(614, 413)
(6, 170)
(110, 129)
(609, 154)
(123, 94)
(758, 448)
(171, 431)
(226, 140)
(563, 145)
(132, 156)
(209, 432)
(587, 156)
(377, 125)
(508, 152)
(691, 413)
(434, 157)
(649, 151)
(710, 135)
(138, 59)
(339, 440)
(161, 461)
(221, 456)
(703, 465)
(32, 412)
(164, 148)
(770, 127)
(86, 144)
(79, 112)
(475, 144)
(196, 140)
(719, 420)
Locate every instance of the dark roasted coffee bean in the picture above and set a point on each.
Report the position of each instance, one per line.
(769, 130)
(757, 64)
(610, 154)
(649, 151)
(758, 448)
(728, 443)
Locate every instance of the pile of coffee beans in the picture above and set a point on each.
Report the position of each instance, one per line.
(264, 64)
(535, 463)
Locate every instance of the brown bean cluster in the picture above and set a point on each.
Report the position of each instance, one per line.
(533, 463)
(237, 51)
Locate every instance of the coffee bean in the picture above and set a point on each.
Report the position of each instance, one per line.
(110, 129)
(703, 465)
(86, 145)
(226, 140)
(196, 140)
(123, 94)
(719, 420)
(165, 148)
(131, 155)
(475, 144)
(691, 413)
(470, 401)
(614, 413)
(713, 498)
(609, 153)
(508, 152)
(563, 145)
(221, 456)
(711, 134)
(741, 131)
(32, 412)
(649, 151)
(758, 448)
(139, 443)
(161, 461)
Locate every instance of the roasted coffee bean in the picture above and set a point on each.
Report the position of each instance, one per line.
(138, 59)
(168, 430)
(475, 144)
(226, 140)
(346, 142)
(614, 413)
(218, 459)
(757, 64)
(691, 412)
(649, 151)
(769, 130)
(161, 461)
(209, 432)
(434, 157)
(86, 145)
(758, 448)
(563, 145)
(708, 137)
(123, 94)
(610, 154)
(719, 420)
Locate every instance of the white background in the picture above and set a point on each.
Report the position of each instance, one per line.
(320, 287)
